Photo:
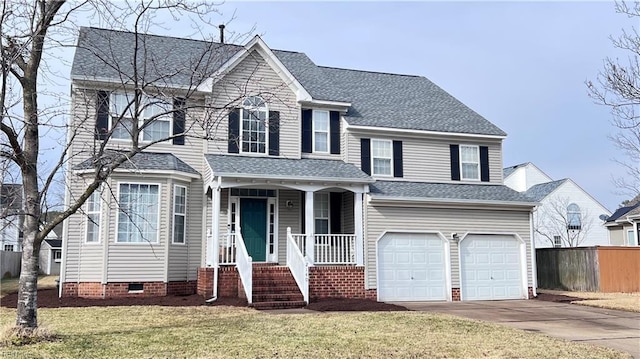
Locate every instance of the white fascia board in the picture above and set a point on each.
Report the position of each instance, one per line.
(291, 178)
(420, 132)
(343, 106)
(162, 173)
(382, 200)
(95, 81)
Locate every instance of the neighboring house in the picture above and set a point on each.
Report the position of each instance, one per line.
(51, 252)
(568, 216)
(349, 183)
(624, 225)
(10, 220)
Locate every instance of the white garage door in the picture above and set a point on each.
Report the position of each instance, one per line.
(411, 267)
(490, 268)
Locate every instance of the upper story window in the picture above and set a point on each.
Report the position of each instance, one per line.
(381, 157)
(321, 131)
(574, 217)
(253, 126)
(470, 162)
(92, 211)
(154, 118)
(138, 213)
(179, 213)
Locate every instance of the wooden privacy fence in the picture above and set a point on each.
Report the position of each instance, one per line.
(10, 264)
(589, 269)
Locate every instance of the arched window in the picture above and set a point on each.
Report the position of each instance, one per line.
(573, 217)
(253, 125)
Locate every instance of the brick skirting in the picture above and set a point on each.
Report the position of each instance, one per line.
(205, 282)
(228, 281)
(98, 290)
(338, 282)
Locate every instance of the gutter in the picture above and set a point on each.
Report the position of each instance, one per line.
(288, 178)
(382, 200)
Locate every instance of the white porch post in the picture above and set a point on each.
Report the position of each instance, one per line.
(309, 226)
(359, 226)
(214, 246)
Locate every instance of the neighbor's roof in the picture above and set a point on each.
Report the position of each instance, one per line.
(378, 99)
(263, 167)
(624, 211)
(540, 191)
(506, 172)
(145, 161)
(447, 191)
(54, 243)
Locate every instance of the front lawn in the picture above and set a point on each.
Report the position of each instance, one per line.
(620, 301)
(221, 332)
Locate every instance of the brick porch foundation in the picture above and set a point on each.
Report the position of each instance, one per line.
(338, 282)
(98, 290)
(228, 282)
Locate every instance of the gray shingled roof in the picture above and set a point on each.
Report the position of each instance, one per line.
(625, 211)
(506, 172)
(285, 168)
(108, 54)
(540, 191)
(54, 243)
(145, 161)
(378, 99)
(447, 191)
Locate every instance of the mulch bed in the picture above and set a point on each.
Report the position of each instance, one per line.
(48, 298)
(557, 298)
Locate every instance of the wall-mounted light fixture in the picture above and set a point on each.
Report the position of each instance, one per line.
(455, 237)
(288, 204)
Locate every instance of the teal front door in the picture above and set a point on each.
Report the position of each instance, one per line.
(253, 226)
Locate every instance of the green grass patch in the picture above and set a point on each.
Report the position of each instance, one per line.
(223, 332)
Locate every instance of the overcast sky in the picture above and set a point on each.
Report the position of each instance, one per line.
(523, 66)
(520, 65)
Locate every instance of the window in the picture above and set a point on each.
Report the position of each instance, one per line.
(179, 213)
(557, 241)
(138, 213)
(136, 287)
(92, 211)
(470, 162)
(320, 131)
(573, 217)
(155, 117)
(321, 212)
(381, 155)
(8, 247)
(631, 238)
(57, 256)
(253, 125)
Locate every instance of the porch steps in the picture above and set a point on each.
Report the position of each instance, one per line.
(275, 288)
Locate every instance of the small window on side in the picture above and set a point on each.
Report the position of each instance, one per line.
(136, 287)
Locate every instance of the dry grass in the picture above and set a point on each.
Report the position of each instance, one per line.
(223, 332)
(620, 301)
(8, 286)
(11, 335)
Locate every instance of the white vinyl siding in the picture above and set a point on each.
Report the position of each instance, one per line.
(381, 157)
(470, 162)
(93, 208)
(320, 131)
(138, 213)
(179, 214)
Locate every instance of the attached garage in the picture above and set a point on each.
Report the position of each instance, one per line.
(412, 267)
(492, 267)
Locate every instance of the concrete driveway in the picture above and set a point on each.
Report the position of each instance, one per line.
(609, 328)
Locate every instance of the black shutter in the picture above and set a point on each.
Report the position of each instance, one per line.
(365, 155)
(397, 159)
(234, 130)
(484, 163)
(102, 119)
(335, 212)
(334, 132)
(455, 162)
(306, 131)
(274, 133)
(179, 114)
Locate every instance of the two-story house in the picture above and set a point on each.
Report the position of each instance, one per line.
(10, 217)
(312, 182)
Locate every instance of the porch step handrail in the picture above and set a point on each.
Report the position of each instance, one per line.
(244, 264)
(298, 265)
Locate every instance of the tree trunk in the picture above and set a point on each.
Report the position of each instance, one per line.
(27, 317)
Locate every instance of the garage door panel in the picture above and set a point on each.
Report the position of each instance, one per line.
(490, 267)
(411, 267)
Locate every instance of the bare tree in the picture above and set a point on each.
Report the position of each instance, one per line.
(153, 83)
(618, 87)
(561, 222)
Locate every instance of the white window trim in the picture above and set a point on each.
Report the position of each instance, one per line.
(87, 221)
(174, 214)
(373, 173)
(141, 120)
(328, 218)
(146, 243)
(313, 131)
(478, 163)
(266, 131)
(53, 255)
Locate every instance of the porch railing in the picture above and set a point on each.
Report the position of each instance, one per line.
(330, 248)
(227, 248)
(244, 264)
(298, 265)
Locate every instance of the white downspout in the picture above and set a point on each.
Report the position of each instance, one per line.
(215, 236)
(534, 266)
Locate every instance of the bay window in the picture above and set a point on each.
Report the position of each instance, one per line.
(138, 213)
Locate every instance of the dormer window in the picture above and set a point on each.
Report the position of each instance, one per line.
(321, 131)
(470, 162)
(253, 125)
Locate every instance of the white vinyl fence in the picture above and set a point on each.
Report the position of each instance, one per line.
(10, 264)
